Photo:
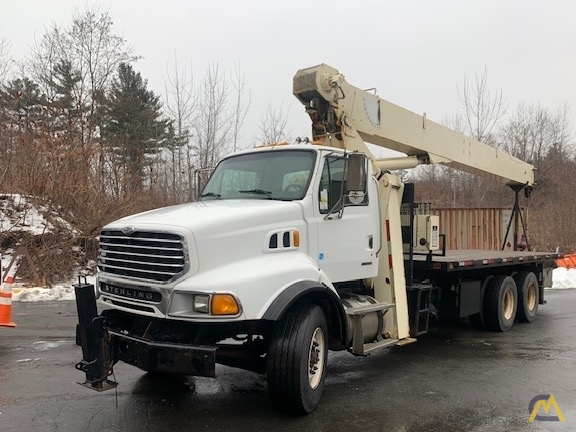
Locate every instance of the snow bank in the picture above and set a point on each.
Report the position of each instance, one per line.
(563, 278)
(20, 214)
(38, 294)
(43, 294)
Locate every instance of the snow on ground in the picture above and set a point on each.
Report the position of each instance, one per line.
(38, 294)
(22, 213)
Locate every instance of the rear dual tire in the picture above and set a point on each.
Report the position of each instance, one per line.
(528, 296)
(500, 303)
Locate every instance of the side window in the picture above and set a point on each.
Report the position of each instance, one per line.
(332, 186)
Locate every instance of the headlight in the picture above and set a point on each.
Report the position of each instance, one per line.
(202, 303)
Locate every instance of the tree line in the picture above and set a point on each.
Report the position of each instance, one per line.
(80, 129)
(78, 96)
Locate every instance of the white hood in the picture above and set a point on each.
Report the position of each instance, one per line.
(213, 214)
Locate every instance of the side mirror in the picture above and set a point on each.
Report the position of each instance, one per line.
(355, 176)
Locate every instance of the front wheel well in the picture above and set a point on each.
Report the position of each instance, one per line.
(308, 292)
(337, 324)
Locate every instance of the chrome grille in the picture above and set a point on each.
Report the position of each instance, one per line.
(144, 255)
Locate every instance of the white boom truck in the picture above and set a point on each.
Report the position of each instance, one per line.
(295, 250)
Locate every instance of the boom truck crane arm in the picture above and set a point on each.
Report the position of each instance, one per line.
(347, 117)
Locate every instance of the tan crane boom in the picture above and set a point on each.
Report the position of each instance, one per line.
(347, 117)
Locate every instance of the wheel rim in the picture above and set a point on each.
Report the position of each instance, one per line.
(531, 299)
(316, 358)
(508, 305)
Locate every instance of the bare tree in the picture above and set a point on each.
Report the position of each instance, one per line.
(241, 105)
(433, 185)
(208, 119)
(552, 221)
(544, 137)
(273, 126)
(534, 131)
(180, 105)
(479, 115)
(5, 60)
(480, 110)
(212, 123)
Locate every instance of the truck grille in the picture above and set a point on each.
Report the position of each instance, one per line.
(144, 255)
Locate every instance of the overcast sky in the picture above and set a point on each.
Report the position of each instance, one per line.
(415, 53)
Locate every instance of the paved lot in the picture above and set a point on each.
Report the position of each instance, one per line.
(453, 379)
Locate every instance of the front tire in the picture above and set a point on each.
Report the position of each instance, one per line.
(296, 360)
(500, 304)
(528, 296)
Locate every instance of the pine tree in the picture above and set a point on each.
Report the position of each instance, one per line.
(132, 125)
(22, 118)
(21, 105)
(68, 111)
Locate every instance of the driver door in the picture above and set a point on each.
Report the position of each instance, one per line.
(348, 230)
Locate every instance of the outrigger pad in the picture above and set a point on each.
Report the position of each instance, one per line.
(99, 386)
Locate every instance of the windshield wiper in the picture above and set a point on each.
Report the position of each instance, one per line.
(259, 192)
(210, 194)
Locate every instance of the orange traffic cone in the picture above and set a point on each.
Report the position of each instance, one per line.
(6, 303)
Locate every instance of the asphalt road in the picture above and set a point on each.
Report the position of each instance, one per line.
(453, 379)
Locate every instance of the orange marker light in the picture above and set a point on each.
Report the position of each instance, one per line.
(224, 304)
(296, 237)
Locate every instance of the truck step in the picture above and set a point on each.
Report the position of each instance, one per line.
(406, 341)
(373, 307)
(369, 347)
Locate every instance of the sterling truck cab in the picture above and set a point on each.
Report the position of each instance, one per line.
(267, 220)
(295, 250)
(276, 233)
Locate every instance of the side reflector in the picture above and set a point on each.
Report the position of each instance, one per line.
(224, 304)
(296, 237)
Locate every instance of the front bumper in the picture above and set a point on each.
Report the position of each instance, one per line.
(106, 339)
(164, 357)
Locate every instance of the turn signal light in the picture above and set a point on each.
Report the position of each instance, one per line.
(224, 304)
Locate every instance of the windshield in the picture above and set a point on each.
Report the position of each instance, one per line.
(279, 175)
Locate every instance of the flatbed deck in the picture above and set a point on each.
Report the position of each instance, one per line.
(459, 260)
